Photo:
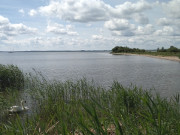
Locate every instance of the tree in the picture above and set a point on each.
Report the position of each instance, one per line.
(173, 49)
(158, 49)
(115, 49)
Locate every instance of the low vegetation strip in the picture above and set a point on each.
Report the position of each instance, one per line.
(78, 107)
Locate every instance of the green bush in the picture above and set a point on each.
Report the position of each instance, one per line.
(11, 77)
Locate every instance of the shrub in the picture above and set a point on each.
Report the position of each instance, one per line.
(11, 77)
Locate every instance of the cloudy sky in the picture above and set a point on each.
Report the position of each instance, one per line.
(88, 24)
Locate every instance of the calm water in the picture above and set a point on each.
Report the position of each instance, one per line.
(103, 68)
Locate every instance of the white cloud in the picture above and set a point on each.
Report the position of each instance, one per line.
(141, 18)
(97, 37)
(61, 29)
(77, 10)
(118, 24)
(21, 11)
(88, 25)
(128, 9)
(3, 36)
(126, 33)
(172, 8)
(32, 12)
(166, 31)
(48, 43)
(172, 18)
(146, 30)
(164, 21)
(3, 20)
(9, 29)
(138, 23)
(120, 27)
(94, 10)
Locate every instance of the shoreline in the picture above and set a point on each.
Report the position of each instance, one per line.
(172, 58)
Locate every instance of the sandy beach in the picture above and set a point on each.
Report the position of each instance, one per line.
(172, 58)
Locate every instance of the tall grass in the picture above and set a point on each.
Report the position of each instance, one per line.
(11, 81)
(78, 107)
(11, 77)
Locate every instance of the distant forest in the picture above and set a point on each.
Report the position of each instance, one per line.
(120, 49)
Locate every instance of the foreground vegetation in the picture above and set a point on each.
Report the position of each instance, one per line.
(11, 77)
(81, 108)
(171, 51)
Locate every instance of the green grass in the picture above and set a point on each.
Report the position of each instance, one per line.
(79, 107)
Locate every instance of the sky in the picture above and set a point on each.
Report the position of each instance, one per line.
(27, 25)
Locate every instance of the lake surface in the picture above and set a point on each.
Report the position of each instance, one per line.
(102, 67)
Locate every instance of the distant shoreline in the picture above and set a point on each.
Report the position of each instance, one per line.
(172, 58)
(59, 51)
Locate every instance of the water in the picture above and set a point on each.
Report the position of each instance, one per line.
(102, 67)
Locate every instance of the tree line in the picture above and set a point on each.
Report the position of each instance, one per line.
(170, 49)
(121, 49)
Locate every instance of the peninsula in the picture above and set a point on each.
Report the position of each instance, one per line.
(172, 53)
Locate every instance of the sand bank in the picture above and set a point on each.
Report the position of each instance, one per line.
(172, 58)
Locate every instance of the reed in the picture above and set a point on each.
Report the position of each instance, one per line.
(11, 77)
(79, 107)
